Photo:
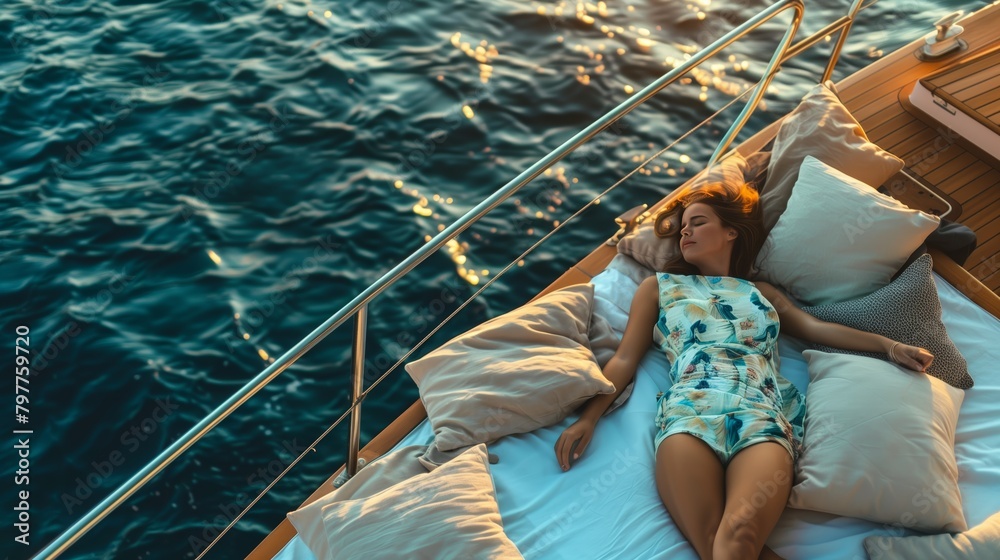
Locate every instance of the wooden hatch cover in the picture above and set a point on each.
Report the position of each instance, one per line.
(965, 97)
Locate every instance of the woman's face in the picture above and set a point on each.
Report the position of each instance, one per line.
(704, 239)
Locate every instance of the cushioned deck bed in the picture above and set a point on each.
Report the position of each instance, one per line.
(607, 505)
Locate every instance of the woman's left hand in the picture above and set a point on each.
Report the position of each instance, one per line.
(912, 357)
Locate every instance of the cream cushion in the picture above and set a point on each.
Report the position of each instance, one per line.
(879, 444)
(518, 372)
(838, 239)
(381, 474)
(451, 512)
(982, 542)
(821, 126)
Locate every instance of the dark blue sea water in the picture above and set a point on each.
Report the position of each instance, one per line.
(190, 187)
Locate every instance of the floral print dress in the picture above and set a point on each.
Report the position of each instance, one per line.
(720, 335)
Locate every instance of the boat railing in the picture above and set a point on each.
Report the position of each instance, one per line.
(358, 307)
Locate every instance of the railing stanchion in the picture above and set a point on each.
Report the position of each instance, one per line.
(841, 39)
(357, 387)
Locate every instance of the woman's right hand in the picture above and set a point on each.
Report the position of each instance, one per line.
(573, 442)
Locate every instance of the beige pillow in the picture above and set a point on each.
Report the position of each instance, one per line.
(652, 252)
(513, 374)
(449, 513)
(982, 542)
(382, 473)
(821, 127)
(879, 444)
(838, 239)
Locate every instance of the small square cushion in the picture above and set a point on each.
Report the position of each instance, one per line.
(451, 512)
(838, 238)
(879, 444)
(513, 374)
(982, 542)
(821, 126)
(907, 310)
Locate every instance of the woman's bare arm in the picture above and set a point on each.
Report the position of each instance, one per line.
(802, 325)
(620, 370)
(636, 340)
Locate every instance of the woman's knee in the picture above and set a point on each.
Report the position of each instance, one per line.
(738, 536)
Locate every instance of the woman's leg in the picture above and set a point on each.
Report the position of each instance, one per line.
(758, 483)
(690, 480)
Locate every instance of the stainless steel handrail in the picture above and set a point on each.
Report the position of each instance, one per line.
(358, 306)
(844, 26)
(772, 68)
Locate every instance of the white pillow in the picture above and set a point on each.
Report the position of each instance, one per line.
(982, 542)
(451, 512)
(839, 238)
(385, 471)
(879, 444)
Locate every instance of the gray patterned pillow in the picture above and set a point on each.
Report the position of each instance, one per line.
(907, 310)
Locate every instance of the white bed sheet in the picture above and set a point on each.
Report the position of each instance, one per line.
(606, 505)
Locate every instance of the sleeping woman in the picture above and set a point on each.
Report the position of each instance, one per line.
(730, 426)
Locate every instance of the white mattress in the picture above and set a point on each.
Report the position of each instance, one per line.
(607, 506)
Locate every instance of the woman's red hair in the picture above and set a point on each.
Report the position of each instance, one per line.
(737, 206)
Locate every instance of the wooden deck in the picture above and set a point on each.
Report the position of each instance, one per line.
(877, 100)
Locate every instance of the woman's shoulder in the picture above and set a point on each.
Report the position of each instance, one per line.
(710, 281)
(673, 277)
(767, 290)
(650, 281)
(666, 280)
